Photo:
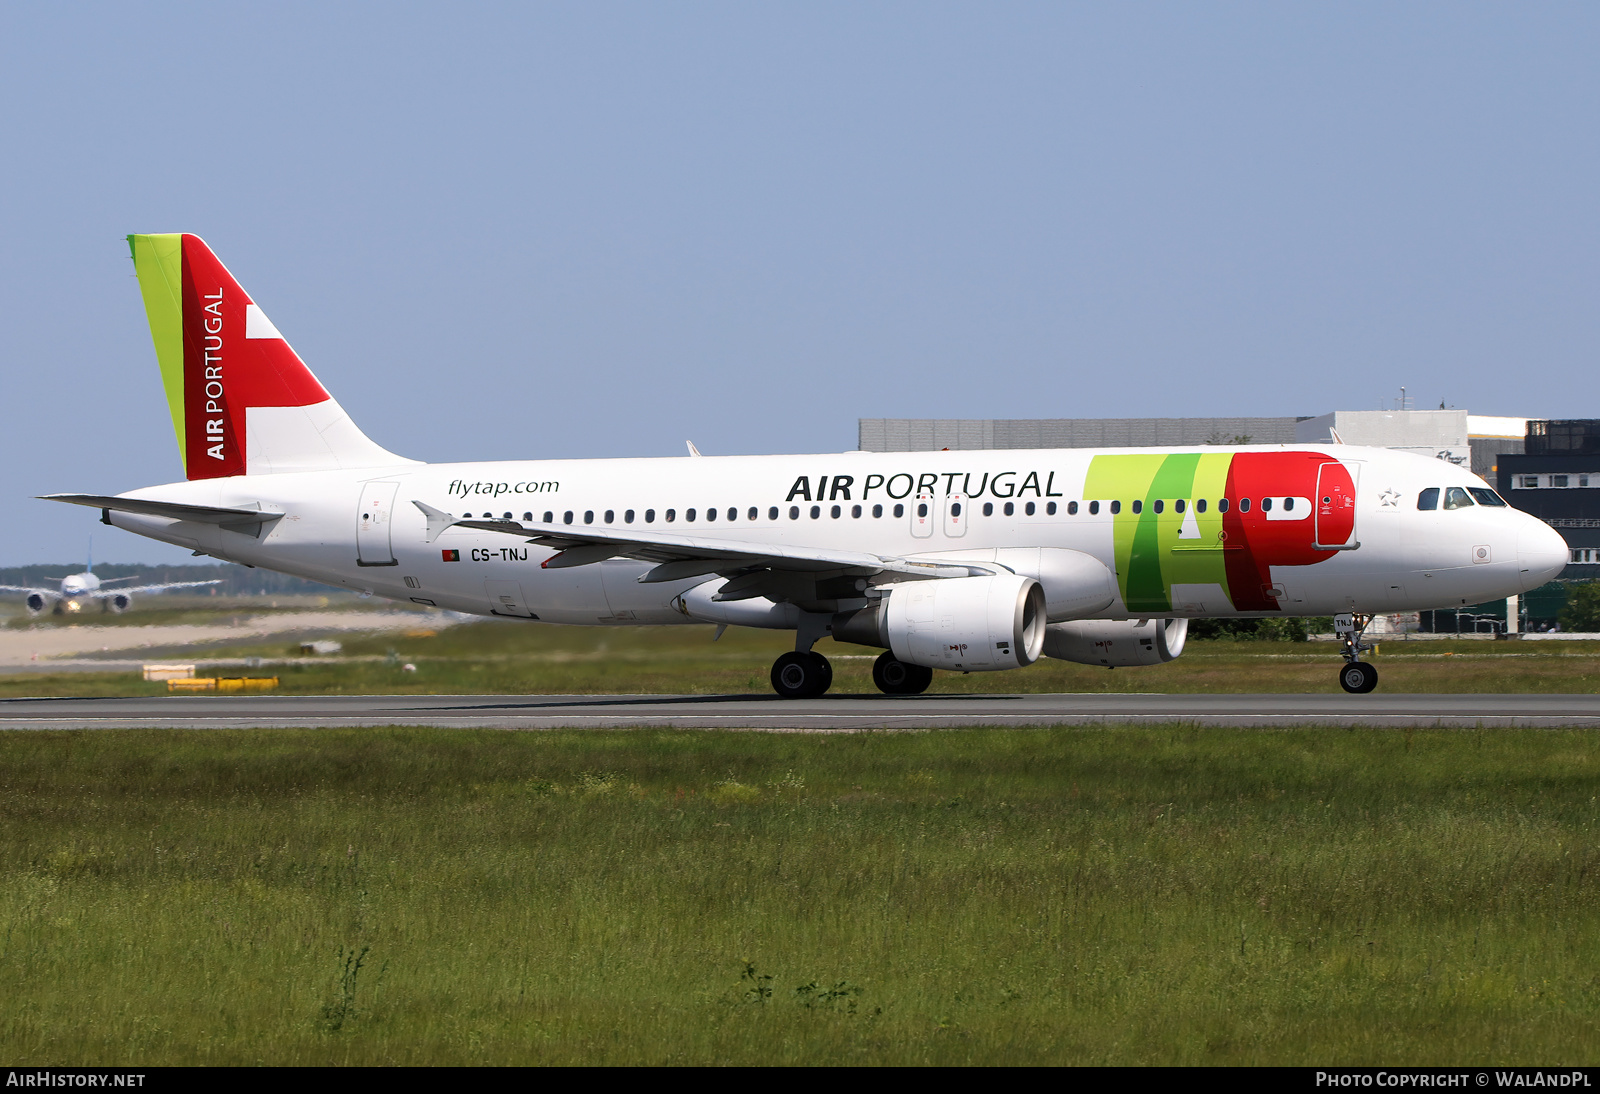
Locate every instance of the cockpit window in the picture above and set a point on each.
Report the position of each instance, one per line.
(1429, 498)
(1456, 498)
(1484, 496)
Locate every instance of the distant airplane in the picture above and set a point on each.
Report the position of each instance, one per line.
(963, 561)
(77, 590)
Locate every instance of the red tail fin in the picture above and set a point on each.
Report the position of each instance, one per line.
(242, 401)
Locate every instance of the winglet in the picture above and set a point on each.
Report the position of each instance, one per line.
(693, 451)
(1334, 433)
(438, 521)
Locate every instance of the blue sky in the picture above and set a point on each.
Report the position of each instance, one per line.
(597, 229)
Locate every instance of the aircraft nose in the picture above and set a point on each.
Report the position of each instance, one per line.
(1541, 553)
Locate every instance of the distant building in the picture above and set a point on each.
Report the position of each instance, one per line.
(1557, 479)
(1470, 440)
(958, 434)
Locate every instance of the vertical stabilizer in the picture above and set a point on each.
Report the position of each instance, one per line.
(242, 401)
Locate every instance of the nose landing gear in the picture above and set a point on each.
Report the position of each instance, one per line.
(1356, 676)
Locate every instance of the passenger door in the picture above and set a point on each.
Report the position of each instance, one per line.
(922, 518)
(374, 524)
(1336, 507)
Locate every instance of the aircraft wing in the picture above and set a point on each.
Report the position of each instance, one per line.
(681, 556)
(29, 589)
(154, 588)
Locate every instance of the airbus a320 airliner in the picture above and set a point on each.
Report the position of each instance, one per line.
(963, 561)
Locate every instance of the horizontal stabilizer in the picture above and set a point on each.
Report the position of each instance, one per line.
(232, 519)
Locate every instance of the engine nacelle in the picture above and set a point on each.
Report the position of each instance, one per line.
(1114, 642)
(117, 602)
(965, 624)
(36, 603)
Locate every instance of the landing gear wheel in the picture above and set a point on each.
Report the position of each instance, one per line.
(895, 677)
(801, 675)
(1358, 677)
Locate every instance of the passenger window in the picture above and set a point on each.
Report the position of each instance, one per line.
(1094, 508)
(566, 518)
(1010, 509)
(507, 516)
(527, 516)
(611, 516)
(1116, 507)
(1050, 509)
(1222, 505)
(1485, 496)
(1072, 508)
(733, 514)
(627, 518)
(1200, 505)
(588, 516)
(672, 515)
(1159, 505)
(1244, 505)
(794, 512)
(1138, 505)
(855, 511)
(955, 509)
(1177, 506)
(816, 511)
(899, 510)
(754, 512)
(688, 515)
(772, 513)
(649, 516)
(711, 514)
(1428, 499)
(877, 510)
(1456, 498)
(922, 508)
(834, 512)
(549, 517)
(1288, 505)
(1028, 509)
(1266, 505)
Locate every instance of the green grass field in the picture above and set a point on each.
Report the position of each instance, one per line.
(1149, 895)
(511, 658)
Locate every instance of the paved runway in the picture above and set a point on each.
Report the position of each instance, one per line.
(839, 713)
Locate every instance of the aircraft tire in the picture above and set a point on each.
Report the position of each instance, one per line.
(801, 675)
(895, 677)
(1358, 677)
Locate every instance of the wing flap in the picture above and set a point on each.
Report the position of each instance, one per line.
(698, 554)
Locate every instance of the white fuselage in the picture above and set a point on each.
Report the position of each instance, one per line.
(360, 529)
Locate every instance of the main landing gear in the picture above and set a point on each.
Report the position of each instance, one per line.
(800, 675)
(1356, 676)
(807, 675)
(898, 678)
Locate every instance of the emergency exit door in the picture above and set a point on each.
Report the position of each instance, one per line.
(374, 523)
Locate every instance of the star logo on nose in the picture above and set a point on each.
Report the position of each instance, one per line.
(1389, 499)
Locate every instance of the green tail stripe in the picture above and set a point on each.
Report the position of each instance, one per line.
(158, 260)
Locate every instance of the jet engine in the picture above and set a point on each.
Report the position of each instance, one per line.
(1113, 642)
(36, 603)
(116, 602)
(966, 624)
